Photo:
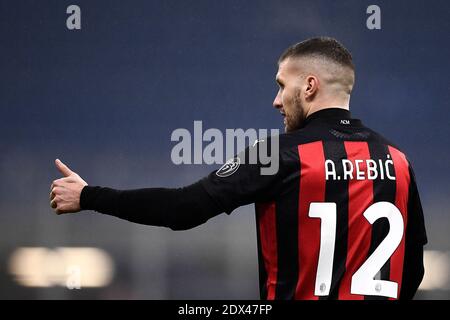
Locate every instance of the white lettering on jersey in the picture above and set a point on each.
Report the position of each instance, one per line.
(361, 169)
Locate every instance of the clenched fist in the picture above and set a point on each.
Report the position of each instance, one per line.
(65, 192)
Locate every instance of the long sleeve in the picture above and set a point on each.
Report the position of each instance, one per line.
(187, 207)
(178, 209)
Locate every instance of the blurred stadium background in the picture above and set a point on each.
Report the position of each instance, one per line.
(106, 98)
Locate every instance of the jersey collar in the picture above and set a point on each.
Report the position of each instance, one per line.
(332, 115)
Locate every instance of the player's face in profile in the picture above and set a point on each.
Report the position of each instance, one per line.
(288, 99)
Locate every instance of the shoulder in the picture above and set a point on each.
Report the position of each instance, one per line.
(393, 148)
(287, 141)
(281, 148)
(378, 137)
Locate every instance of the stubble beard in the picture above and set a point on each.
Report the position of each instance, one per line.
(294, 121)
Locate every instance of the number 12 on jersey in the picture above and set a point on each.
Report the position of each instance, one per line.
(363, 281)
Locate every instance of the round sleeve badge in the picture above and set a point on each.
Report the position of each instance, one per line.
(229, 167)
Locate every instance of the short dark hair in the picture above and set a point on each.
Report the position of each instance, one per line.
(326, 47)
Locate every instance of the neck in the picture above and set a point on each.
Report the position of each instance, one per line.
(316, 108)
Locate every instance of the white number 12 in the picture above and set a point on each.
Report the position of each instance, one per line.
(363, 281)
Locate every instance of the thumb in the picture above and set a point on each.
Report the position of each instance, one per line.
(63, 168)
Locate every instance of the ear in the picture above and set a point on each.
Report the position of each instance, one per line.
(312, 85)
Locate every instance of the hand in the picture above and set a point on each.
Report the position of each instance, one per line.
(65, 192)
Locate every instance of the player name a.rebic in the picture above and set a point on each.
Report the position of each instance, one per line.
(358, 169)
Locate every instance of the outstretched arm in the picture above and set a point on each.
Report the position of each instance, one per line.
(178, 209)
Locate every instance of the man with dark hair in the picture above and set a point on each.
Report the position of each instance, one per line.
(301, 67)
(340, 219)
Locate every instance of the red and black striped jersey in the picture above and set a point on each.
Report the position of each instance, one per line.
(341, 218)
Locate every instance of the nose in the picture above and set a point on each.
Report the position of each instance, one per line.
(277, 102)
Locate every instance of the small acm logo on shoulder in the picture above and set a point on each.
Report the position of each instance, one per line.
(229, 167)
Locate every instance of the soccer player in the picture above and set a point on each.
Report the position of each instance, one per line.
(340, 219)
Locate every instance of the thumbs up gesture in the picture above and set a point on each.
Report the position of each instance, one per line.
(65, 192)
